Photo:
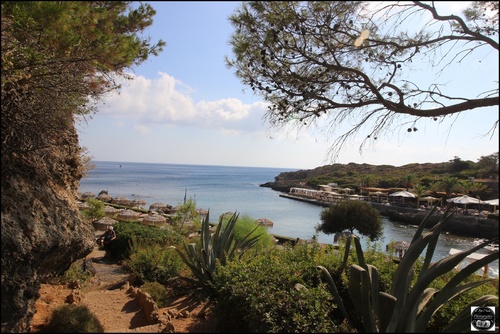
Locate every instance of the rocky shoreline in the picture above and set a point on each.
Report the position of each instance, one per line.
(460, 225)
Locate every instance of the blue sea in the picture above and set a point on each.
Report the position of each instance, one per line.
(222, 189)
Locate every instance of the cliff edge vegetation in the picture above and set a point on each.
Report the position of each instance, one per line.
(479, 179)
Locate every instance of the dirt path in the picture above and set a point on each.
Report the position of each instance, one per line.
(116, 309)
(109, 300)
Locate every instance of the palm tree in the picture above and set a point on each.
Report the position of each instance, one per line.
(450, 184)
(408, 181)
(477, 189)
(419, 190)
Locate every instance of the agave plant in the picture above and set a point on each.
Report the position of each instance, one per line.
(408, 308)
(215, 249)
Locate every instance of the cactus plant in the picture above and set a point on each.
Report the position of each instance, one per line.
(408, 308)
(216, 249)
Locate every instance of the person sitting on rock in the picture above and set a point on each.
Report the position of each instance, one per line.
(108, 237)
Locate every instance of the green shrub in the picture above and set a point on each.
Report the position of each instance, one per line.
(152, 262)
(157, 291)
(187, 217)
(264, 294)
(73, 319)
(96, 210)
(126, 231)
(247, 224)
(77, 272)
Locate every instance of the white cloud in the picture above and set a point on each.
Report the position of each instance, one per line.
(166, 100)
(141, 129)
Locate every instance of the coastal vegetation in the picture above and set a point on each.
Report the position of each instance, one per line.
(437, 179)
(278, 288)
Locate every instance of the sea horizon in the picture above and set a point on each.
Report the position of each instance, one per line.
(200, 164)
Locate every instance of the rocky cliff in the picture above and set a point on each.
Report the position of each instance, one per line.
(42, 230)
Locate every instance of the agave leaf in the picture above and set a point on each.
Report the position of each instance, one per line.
(226, 239)
(422, 225)
(191, 253)
(453, 289)
(407, 262)
(359, 290)
(385, 310)
(440, 299)
(333, 290)
(401, 281)
(461, 323)
(449, 263)
(359, 251)
(431, 247)
(439, 268)
(194, 269)
(346, 253)
(403, 278)
(374, 280)
(355, 291)
(426, 297)
(245, 243)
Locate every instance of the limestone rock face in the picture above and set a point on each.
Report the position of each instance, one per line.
(42, 229)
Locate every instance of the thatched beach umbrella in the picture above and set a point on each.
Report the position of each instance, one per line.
(137, 203)
(265, 222)
(110, 211)
(87, 195)
(400, 247)
(430, 200)
(154, 219)
(104, 196)
(103, 223)
(159, 207)
(120, 200)
(127, 215)
(202, 212)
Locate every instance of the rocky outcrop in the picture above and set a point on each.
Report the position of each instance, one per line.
(42, 229)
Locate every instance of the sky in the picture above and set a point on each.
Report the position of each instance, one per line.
(186, 107)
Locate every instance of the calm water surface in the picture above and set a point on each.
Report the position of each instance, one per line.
(223, 189)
